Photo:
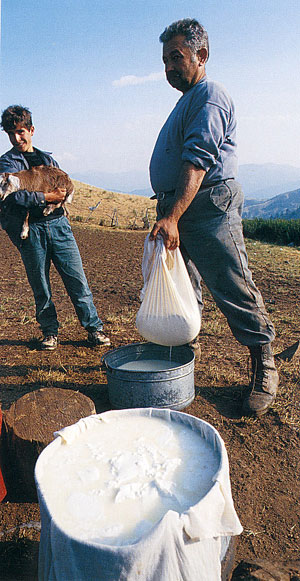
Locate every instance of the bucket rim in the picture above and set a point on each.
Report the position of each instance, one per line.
(185, 418)
(107, 365)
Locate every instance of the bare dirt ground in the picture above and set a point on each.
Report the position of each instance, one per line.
(263, 453)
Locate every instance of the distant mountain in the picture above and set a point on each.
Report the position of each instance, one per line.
(250, 202)
(264, 181)
(125, 182)
(281, 206)
(259, 181)
(147, 192)
(293, 215)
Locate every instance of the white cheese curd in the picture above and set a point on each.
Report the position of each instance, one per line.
(115, 481)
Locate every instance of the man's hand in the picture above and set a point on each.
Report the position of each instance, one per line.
(56, 196)
(167, 227)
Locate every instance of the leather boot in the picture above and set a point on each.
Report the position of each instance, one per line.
(196, 347)
(264, 381)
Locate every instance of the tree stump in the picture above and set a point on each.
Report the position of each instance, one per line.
(29, 426)
(2, 485)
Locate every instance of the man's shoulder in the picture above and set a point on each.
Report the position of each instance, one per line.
(213, 92)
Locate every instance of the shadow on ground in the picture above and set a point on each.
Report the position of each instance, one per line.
(227, 400)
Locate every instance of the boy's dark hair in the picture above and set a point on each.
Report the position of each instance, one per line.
(13, 115)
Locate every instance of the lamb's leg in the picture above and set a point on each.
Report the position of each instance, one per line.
(66, 211)
(25, 228)
(69, 197)
(50, 207)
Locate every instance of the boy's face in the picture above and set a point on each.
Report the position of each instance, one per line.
(21, 138)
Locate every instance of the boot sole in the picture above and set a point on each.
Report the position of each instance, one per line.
(257, 413)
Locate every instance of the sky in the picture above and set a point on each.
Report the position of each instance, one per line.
(91, 73)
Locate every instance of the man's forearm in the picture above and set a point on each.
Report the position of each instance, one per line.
(189, 182)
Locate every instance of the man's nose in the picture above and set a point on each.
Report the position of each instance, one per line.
(169, 67)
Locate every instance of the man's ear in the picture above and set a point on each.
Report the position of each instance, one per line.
(202, 56)
(32, 130)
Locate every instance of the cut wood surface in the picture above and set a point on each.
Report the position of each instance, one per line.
(29, 426)
(2, 484)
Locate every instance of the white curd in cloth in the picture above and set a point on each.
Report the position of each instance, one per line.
(114, 482)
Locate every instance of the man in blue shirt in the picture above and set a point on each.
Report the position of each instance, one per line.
(50, 237)
(193, 170)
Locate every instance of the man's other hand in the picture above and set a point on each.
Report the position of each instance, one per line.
(56, 196)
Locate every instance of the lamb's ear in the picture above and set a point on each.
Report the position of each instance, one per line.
(12, 181)
(4, 178)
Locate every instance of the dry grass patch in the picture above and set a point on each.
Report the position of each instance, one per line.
(111, 209)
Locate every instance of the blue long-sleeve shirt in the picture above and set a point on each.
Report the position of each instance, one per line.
(201, 129)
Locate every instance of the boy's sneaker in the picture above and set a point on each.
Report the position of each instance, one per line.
(49, 343)
(98, 338)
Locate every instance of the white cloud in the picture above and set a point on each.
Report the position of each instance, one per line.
(134, 80)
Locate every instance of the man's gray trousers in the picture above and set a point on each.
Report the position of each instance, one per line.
(212, 245)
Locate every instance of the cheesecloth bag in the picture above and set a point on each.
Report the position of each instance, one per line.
(169, 313)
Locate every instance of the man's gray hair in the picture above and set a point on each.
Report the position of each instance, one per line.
(196, 36)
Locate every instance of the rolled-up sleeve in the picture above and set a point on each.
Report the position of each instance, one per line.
(204, 133)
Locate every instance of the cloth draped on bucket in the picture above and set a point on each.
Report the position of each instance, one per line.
(188, 546)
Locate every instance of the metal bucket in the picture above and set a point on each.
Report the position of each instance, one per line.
(168, 388)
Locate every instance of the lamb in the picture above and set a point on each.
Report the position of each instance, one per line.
(37, 179)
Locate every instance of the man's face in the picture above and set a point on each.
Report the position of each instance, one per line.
(21, 138)
(183, 69)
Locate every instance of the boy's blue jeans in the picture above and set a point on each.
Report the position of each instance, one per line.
(53, 241)
(213, 248)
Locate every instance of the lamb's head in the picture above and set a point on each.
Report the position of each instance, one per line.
(8, 184)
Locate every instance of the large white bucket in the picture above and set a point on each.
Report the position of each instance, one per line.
(191, 545)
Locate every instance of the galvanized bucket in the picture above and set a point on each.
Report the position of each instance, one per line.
(169, 388)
